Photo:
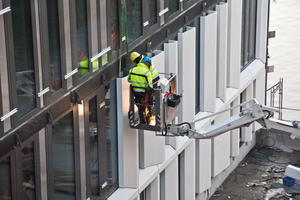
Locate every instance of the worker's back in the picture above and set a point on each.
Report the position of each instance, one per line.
(140, 78)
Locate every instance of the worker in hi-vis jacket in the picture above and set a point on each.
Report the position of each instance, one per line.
(141, 85)
(137, 58)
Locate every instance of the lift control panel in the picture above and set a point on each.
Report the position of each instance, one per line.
(161, 109)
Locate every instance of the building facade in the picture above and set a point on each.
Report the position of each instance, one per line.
(64, 130)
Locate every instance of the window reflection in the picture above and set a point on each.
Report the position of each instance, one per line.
(115, 26)
(28, 172)
(134, 19)
(153, 12)
(5, 181)
(94, 161)
(54, 45)
(173, 7)
(82, 37)
(23, 52)
(248, 32)
(63, 158)
(111, 135)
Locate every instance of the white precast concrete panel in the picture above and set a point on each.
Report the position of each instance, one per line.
(247, 131)
(235, 134)
(220, 152)
(151, 149)
(189, 171)
(246, 79)
(127, 139)
(154, 189)
(146, 176)
(159, 61)
(203, 165)
(186, 74)
(222, 26)
(208, 56)
(171, 56)
(261, 29)
(234, 42)
(171, 180)
(171, 65)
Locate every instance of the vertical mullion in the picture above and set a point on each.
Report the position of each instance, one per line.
(108, 27)
(10, 62)
(145, 17)
(99, 32)
(102, 142)
(48, 139)
(87, 148)
(73, 33)
(44, 48)
(63, 46)
(76, 152)
(36, 53)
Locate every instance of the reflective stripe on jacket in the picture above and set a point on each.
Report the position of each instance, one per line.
(140, 78)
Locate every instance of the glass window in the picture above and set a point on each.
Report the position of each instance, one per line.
(153, 12)
(5, 180)
(54, 45)
(63, 158)
(248, 33)
(93, 153)
(173, 6)
(28, 172)
(82, 37)
(23, 52)
(111, 135)
(115, 38)
(196, 24)
(134, 19)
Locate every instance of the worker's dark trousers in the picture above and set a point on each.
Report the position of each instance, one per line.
(138, 97)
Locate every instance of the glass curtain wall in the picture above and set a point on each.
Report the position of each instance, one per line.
(29, 186)
(82, 37)
(63, 158)
(173, 7)
(93, 148)
(54, 45)
(23, 55)
(115, 37)
(5, 179)
(134, 19)
(153, 12)
(248, 32)
(111, 134)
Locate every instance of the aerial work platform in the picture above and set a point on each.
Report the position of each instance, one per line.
(161, 109)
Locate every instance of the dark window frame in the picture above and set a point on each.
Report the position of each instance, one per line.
(15, 120)
(45, 51)
(16, 168)
(102, 153)
(248, 17)
(49, 155)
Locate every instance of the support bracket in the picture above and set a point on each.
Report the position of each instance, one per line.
(75, 98)
(49, 118)
(18, 141)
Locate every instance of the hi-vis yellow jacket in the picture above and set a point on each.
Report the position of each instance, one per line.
(140, 78)
(154, 73)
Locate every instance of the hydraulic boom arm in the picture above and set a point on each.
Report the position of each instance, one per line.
(255, 112)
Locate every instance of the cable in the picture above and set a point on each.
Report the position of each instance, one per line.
(166, 129)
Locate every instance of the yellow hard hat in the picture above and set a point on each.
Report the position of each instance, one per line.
(134, 55)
